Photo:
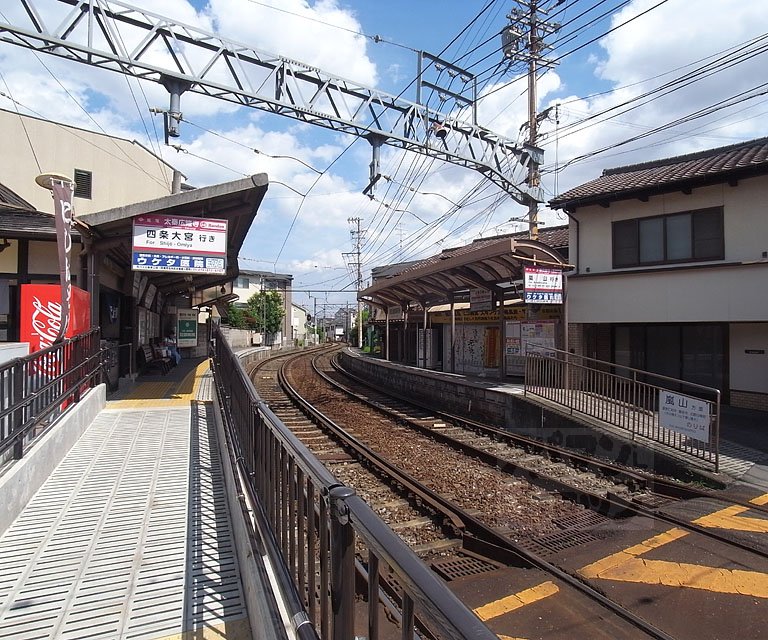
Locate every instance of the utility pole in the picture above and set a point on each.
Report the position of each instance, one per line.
(357, 240)
(523, 42)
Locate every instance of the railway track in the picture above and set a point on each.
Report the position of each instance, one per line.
(493, 500)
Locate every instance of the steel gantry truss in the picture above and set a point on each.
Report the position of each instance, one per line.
(118, 36)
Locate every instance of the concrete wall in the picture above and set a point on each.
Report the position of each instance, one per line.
(26, 476)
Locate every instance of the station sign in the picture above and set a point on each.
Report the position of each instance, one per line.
(684, 414)
(186, 327)
(480, 300)
(543, 286)
(179, 244)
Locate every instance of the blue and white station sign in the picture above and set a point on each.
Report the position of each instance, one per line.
(179, 244)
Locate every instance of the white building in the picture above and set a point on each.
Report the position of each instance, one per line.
(108, 171)
(250, 282)
(672, 269)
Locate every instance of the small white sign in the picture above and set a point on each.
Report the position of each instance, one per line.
(480, 300)
(684, 414)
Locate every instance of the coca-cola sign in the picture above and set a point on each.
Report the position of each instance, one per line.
(41, 315)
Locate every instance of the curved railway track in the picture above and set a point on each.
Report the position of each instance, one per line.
(453, 489)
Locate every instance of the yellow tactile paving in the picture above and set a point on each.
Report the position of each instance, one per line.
(628, 566)
(231, 630)
(164, 394)
(515, 601)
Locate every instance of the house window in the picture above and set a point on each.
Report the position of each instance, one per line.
(690, 236)
(83, 183)
(242, 282)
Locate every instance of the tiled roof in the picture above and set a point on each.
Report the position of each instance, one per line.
(9, 198)
(671, 174)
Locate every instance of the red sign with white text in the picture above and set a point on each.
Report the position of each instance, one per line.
(41, 314)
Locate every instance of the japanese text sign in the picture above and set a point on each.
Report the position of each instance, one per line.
(543, 286)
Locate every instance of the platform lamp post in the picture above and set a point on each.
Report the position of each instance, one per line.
(62, 189)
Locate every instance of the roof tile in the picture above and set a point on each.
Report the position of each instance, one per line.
(712, 165)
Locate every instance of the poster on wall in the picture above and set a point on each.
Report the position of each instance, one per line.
(186, 327)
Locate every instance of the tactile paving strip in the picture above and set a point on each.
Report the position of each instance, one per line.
(128, 538)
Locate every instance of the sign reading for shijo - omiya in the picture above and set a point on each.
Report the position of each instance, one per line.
(543, 286)
(179, 243)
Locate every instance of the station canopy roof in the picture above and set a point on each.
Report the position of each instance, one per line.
(495, 264)
(237, 202)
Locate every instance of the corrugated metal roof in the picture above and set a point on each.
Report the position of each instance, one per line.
(713, 166)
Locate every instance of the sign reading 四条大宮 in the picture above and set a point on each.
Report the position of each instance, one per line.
(179, 243)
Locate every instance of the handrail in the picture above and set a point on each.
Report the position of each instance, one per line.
(627, 398)
(40, 386)
(316, 524)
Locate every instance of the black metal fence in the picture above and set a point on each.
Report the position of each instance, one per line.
(339, 562)
(37, 388)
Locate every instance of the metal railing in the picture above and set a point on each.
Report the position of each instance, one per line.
(333, 551)
(37, 388)
(630, 399)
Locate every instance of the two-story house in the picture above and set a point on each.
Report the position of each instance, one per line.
(672, 269)
(250, 282)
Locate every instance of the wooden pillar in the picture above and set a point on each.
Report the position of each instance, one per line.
(502, 339)
(386, 334)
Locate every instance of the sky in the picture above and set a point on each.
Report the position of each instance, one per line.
(629, 81)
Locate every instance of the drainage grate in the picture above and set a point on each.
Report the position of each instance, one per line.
(462, 567)
(557, 542)
(581, 520)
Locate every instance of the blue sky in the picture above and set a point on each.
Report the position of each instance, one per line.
(652, 42)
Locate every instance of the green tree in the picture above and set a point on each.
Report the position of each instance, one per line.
(236, 317)
(266, 309)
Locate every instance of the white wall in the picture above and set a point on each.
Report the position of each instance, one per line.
(745, 222)
(732, 294)
(123, 172)
(749, 371)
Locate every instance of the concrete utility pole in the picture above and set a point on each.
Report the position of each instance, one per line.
(357, 240)
(523, 41)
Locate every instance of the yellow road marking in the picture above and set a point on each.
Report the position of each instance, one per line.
(628, 566)
(516, 601)
(730, 518)
(760, 500)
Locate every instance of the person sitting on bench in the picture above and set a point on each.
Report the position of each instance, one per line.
(170, 344)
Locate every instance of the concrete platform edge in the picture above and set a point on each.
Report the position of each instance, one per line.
(264, 623)
(26, 476)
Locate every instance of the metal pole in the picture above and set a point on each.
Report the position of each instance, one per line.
(453, 334)
(342, 565)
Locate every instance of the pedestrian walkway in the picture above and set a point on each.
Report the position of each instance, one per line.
(130, 537)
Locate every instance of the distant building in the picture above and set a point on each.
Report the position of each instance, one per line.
(672, 265)
(250, 282)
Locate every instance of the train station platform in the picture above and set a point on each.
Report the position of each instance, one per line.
(131, 535)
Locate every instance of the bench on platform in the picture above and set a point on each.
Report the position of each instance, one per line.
(151, 358)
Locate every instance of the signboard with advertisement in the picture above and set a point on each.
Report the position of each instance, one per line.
(40, 314)
(186, 327)
(179, 244)
(543, 286)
